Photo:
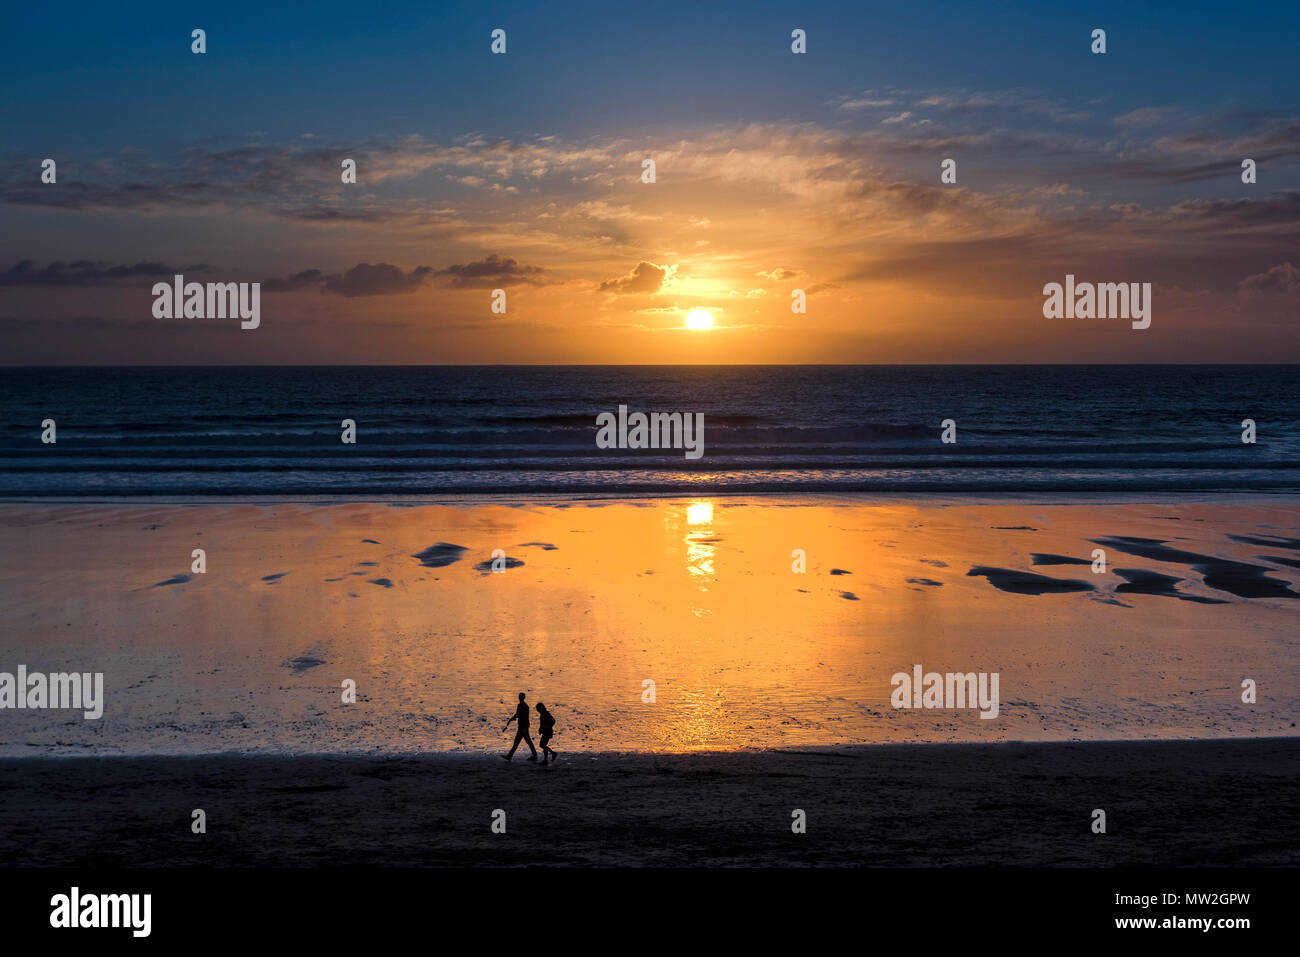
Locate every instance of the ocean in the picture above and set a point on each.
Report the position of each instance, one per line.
(440, 430)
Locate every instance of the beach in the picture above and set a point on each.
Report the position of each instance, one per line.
(1168, 803)
(714, 663)
(653, 625)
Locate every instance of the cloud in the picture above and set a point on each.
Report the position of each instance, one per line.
(1277, 212)
(777, 274)
(307, 279)
(84, 272)
(1283, 279)
(1145, 116)
(381, 279)
(363, 279)
(646, 279)
(865, 103)
(493, 271)
(384, 279)
(1014, 101)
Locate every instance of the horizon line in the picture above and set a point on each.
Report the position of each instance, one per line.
(653, 365)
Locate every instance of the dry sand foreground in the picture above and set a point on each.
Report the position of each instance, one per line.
(697, 595)
(1171, 803)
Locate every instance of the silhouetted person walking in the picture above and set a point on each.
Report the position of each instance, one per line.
(521, 734)
(547, 724)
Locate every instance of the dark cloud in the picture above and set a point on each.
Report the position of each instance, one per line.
(84, 272)
(381, 279)
(1282, 279)
(491, 272)
(1279, 210)
(1161, 170)
(284, 181)
(92, 196)
(646, 278)
(1167, 159)
(307, 279)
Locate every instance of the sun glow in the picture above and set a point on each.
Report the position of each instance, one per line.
(699, 319)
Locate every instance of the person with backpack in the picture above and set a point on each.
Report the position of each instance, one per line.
(547, 724)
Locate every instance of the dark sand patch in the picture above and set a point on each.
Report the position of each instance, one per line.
(545, 546)
(274, 578)
(486, 566)
(368, 564)
(302, 663)
(1142, 581)
(1268, 541)
(1236, 578)
(935, 562)
(1279, 560)
(370, 541)
(1014, 528)
(386, 583)
(1039, 558)
(840, 571)
(440, 555)
(1027, 583)
(1020, 805)
(925, 581)
(848, 596)
(174, 580)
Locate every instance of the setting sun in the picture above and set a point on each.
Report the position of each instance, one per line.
(699, 319)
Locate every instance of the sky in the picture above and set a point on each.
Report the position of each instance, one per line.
(774, 172)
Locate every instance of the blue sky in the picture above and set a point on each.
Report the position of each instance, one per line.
(522, 170)
(122, 75)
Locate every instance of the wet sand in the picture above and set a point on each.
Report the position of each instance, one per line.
(1168, 803)
(701, 596)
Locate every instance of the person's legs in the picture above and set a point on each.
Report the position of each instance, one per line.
(520, 735)
(546, 746)
(529, 741)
